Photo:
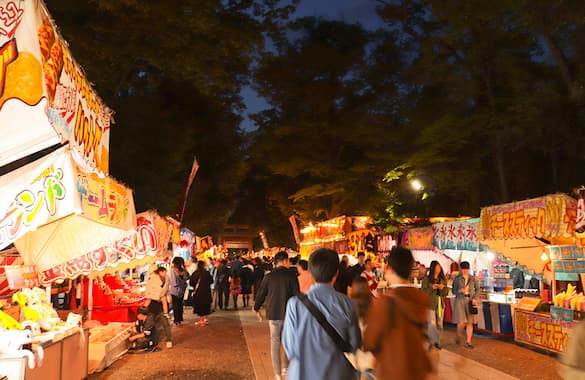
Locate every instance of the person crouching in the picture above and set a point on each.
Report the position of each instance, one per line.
(145, 338)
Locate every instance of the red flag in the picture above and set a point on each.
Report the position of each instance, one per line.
(295, 227)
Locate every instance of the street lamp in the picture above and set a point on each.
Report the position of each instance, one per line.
(416, 185)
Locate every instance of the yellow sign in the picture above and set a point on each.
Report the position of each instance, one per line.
(548, 217)
(105, 201)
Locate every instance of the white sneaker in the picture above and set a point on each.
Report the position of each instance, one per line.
(169, 344)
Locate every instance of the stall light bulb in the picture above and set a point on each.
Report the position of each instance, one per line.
(544, 256)
(491, 256)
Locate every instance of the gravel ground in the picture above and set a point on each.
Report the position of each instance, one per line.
(217, 351)
(506, 356)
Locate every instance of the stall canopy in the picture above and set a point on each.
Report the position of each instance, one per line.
(44, 97)
(521, 230)
(54, 212)
(146, 244)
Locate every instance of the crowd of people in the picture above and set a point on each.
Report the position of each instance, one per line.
(327, 316)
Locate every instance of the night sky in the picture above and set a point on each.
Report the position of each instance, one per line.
(353, 11)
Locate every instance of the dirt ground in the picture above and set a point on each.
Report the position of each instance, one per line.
(505, 356)
(217, 351)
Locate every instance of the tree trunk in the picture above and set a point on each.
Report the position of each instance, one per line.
(563, 64)
(501, 170)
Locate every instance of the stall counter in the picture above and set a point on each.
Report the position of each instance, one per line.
(116, 313)
(66, 358)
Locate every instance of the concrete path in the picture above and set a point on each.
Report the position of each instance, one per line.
(451, 366)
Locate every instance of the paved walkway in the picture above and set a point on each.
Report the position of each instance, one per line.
(451, 365)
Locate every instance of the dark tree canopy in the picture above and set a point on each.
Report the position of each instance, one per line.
(481, 101)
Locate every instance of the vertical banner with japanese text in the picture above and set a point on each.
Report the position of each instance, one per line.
(44, 93)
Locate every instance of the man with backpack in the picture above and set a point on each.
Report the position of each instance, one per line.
(397, 324)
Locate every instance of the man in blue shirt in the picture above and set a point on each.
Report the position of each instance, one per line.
(311, 351)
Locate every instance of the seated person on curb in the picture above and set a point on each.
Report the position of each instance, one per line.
(145, 337)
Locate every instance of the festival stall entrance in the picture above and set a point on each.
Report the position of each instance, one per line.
(524, 232)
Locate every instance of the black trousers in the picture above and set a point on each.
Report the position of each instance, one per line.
(223, 294)
(177, 309)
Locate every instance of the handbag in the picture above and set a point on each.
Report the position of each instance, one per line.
(340, 343)
(472, 308)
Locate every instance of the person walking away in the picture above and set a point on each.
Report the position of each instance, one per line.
(212, 269)
(435, 286)
(572, 364)
(201, 283)
(277, 288)
(258, 275)
(190, 267)
(223, 285)
(305, 278)
(145, 338)
(314, 320)
(246, 282)
(466, 291)
(370, 276)
(396, 324)
(235, 288)
(358, 268)
(344, 278)
(293, 264)
(177, 286)
(362, 296)
(157, 287)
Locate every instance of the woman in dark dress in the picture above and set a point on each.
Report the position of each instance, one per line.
(201, 282)
(246, 282)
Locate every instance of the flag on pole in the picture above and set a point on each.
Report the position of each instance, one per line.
(295, 227)
(194, 170)
(264, 240)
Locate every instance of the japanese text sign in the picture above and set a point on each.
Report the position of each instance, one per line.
(38, 75)
(36, 194)
(418, 238)
(541, 331)
(148, 240)
(460, 235)
(547, 217)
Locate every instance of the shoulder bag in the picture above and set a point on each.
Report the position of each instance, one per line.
(340, 343)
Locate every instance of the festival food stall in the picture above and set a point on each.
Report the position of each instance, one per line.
(523, 232)
(147, 244)
(61, 205)
(458, 241)
(346, 235)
